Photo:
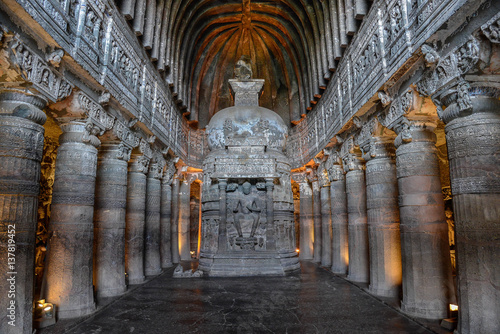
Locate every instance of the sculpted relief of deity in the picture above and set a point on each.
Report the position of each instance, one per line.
(246, 205)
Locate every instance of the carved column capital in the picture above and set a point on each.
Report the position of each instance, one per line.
(141, 157)
(128, 140)
(168, 174)
(21, 103)
(351, 155)
(300, 177)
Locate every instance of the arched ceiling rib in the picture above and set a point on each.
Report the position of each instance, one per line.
(294, 45)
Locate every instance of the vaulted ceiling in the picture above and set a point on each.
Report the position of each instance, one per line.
(294, 45)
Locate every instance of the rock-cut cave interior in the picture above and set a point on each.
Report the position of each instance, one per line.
(249, 166)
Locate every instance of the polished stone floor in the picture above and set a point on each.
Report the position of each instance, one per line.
(312, 301)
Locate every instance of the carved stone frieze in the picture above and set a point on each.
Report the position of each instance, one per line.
(492, 29)
(36, 70)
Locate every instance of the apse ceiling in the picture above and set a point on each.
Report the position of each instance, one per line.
(293, 44)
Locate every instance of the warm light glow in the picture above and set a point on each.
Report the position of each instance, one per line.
(453, 307)
(40, 303)
(47, 308)
(191, 252)
(297, 250)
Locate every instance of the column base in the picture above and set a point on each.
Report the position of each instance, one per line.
(77, 313)
(112, 292)
(138, 280)
(381, 292)
(167, 265)
(427, 312)
(357, 279)
(153, 272)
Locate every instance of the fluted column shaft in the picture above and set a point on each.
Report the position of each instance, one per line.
(135, 219)
(317, 221)
(152, 265)
(326, 227)
(184, 221)
(359, 270)
(165, 224)
(474, 154)
(340, 249)
(109, 221)
(21, 148)
(175, 221)
(383, 219)
(71, 229)
(306, 222)
(427, 282)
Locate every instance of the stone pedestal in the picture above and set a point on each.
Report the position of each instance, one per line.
(306, 222)
(317, 221)
(69, 260)
(359, 270)
(383, 219)
(175, 221)
(326, 227)
(340, 249)
(165, 223)
(21, 148)
(474, 153)
(184, 222)
(427, 282)
(152, 264)
(109, 221)
(135, 218)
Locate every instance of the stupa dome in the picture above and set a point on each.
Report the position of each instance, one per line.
(247, 125)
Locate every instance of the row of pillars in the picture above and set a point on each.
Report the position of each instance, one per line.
(379, 216)
(113, 215)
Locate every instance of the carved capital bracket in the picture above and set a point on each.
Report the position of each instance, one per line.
(128, 140)
(157, 164)
(351, 155)
(399, 108)
(323, 178)
(449, 68)
(97, 121)
(36, 70)
(300, 177)
(169, 172)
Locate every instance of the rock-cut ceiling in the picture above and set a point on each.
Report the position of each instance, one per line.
(293, 44)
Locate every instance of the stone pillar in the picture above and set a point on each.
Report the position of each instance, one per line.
(223, 216)
(317, 221)
(152, 264)
(474, 152)
(271, 239)
(383, 218)
(175, 221)
(165, 222)
(340, 249)
(326, 219)
(109, 220)
(21, 149)
(136, 216)
(427, 282)
(359, 266)
(71, 229)
(184, 221)
(306, 218)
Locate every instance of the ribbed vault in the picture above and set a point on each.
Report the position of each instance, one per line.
(294, 45)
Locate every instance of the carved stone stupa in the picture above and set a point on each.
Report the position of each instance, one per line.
(247, 202)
